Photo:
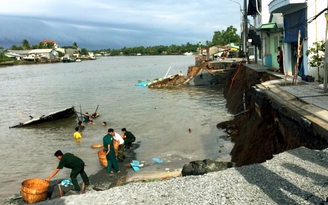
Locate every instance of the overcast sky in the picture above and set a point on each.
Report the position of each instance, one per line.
(102, 24)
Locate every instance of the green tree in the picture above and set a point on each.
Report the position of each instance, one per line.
(173, 49)
(75, 45)
(316, 54)
(139, 49)
(14, 47)
(226, 37)
(26, 45)
(84, 51)
(4, 58)
(209, 44)
(49, 45)
(60, 54)
(114, 52)
(40, 45)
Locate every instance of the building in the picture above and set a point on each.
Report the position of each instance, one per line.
(278, 22)
(33, 55)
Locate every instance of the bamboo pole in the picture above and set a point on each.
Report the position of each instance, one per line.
(81, 113)
(167, 72)
(299, 47)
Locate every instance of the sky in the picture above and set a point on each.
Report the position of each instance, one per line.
(108, 24)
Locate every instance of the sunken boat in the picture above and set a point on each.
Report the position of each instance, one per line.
(58, 115)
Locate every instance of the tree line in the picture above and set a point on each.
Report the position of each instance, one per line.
(223, 37)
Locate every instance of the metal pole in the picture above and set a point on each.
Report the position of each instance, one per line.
(241, 29)
(326, 55)
(241, 26)
(167, 72)
(245, 31)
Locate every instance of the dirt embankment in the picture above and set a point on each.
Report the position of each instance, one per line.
(258, 136)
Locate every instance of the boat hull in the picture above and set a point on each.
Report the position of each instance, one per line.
(61, 114)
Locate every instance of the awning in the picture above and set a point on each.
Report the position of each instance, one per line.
(293, 23)
(267, 26)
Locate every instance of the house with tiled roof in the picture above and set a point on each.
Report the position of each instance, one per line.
(51, 41)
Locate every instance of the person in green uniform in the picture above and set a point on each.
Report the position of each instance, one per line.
(110, 153)
(73, 162)
(128, 138)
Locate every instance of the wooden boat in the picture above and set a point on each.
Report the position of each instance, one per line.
(60, 114)
(68, 60)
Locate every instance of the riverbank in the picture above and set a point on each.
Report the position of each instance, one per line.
(274, 123)
(296, 176)
(38, 61)
(273, 115)
(274, 167)
(100, 181)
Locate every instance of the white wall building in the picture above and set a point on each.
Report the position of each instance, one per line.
(278, 23)
(303, 15)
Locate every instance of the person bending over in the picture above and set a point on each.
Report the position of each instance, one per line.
(74, 163)
(118, 146)
(128, 138)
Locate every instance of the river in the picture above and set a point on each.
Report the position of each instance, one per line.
(159, 118)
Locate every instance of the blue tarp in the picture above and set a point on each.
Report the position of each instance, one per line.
(65, 183)
(292, 23)
(143, 83)
(135, 165)
(157, 160)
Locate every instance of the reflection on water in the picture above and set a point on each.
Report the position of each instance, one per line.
(78, 141)
(160, 119)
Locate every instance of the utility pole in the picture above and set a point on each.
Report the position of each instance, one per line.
(241, 27)
(246, 31)
(326, 55)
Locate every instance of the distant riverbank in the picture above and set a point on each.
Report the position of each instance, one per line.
(38, 61)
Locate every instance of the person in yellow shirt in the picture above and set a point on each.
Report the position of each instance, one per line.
(77, 134)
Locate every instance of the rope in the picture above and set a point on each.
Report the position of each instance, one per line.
(235, 76)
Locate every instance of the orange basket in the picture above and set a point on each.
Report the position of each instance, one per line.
(95, 146)
(102, 158)
(34, 190)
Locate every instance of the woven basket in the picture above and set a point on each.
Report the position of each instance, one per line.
(95, 146)
(34, 190)
(116, 145)
(102, 158)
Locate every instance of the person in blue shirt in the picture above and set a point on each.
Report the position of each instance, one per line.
(86, 117)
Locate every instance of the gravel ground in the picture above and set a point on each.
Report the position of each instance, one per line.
(298, 176)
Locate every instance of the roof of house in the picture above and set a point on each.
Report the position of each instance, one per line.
(41, 50)
(49, 41)
(18, 51)
(22, 52)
